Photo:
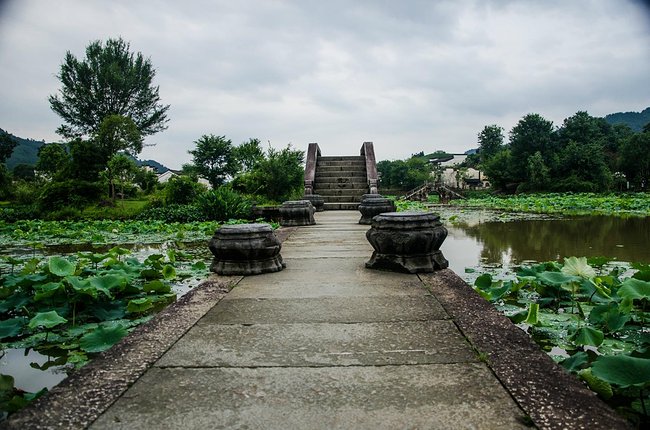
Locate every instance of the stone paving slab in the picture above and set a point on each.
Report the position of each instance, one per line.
(367, 344)
(326, 310)
(451, 396)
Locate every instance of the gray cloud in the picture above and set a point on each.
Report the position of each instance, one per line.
(410, 76)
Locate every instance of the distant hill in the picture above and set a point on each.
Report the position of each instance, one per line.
(26, 152)
(634, 120)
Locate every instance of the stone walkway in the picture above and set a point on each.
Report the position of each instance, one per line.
(323, 344)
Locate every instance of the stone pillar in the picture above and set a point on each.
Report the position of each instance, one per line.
(297, 213)
(374, 204)
(245, 249)
(317, 201)
(407, 242)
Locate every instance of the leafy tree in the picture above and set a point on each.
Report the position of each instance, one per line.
(214, 159)
(24, 172)
(490, 141)
(120, 171)
(531, 134)
(280, 175)
(248, 154)
(117, 133)
(404, 174)
(7, 145)
(85, 164)
(498, 169)
(146, 179)
(5, 182)
(635, 159)
(110, 80)
(52, 158)
(182, 190)
(538, 172)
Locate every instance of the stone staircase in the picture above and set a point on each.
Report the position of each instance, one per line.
(341, 181)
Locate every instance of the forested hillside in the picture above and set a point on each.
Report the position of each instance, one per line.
(634, 120)
(25, 152)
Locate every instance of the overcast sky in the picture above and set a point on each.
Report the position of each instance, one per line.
(406, 75)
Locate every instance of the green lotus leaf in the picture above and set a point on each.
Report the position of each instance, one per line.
(102, 338)
(60, 266)
(574, 266)
(46, 319)
(105, 283)
(44, 291)
(643, 275)
(588, 336)
(157, 286)
(139, 305)
(82, 286)
(11, 327)
(168, 272)
(533, 312)
(622, 370)
(6, 383)
(576, 361)
(634, 289)
(609, 317)
(484, 281)
(556, 279)
(199, 265)
(597, 385)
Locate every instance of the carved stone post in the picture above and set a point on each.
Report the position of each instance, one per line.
(374, 204)
(245, 249)
(407, 242)
(297, 213)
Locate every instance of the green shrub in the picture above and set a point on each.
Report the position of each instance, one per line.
(182, 190)
(18, 213)
(223, 204)
(25, 192)
(70, 193)
(64, 214)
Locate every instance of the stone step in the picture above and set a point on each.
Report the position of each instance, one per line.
(361, 181)
(341, 174)
(340, 168)
(343, 192)
(342, 199)
(353, 164)
(349, 206)
(341, 158)
(342, 185)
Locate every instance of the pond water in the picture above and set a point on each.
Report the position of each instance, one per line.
(483, 238)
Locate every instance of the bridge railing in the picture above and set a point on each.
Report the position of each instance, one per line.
(368, 152)
(313, 152)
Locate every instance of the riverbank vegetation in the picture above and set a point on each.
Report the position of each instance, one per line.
(591, 316)
(622, 204)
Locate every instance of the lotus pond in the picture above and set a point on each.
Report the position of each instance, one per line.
(69, 290)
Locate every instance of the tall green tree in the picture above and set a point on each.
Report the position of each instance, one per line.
(120, 171)
(248, 154)
(214, 159)
(7, 145)
(635, 159)
(117, 133)
(490, 141)
(110, 80)
(52, 159)
(531, 134)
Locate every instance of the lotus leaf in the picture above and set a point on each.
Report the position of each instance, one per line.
(168, 272)
(588, 336)
(46, 319)
(60, 266)
(609, 317)
(139, 305)
(102, 338)
(556, 279)
(634, 289)
(622, 370)
(11, 327)
(157, 286)
(44, 291)
(597, 385)
(576, 361)
(533, 311)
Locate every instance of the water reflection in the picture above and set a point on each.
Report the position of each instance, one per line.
(472, 243)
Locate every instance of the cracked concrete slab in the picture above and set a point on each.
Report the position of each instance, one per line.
(452, 396)
(370, 344)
